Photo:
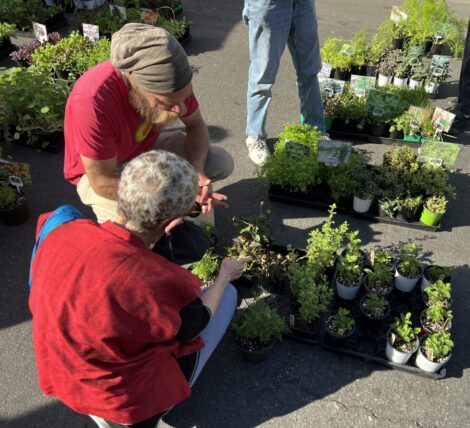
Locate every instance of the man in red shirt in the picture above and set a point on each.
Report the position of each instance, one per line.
(120, 333)
(118, 110)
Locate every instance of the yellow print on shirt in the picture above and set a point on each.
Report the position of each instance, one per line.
(142, 131)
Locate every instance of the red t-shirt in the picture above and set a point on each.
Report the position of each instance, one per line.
(105, 316)
(100, 123)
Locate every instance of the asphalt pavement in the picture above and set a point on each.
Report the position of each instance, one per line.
(300, 385)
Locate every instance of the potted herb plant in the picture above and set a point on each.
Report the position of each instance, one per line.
(6, 32)
(257, 329)
(402, 339)
(408, 270)
(13, 205)
(432, 273)
(410, 207)
(400, 77)
(374, 309)
(387, 67)
(440, 292)
(340, 326)
(339, 53)
(270, 272)
(313, 302)
(206, 268)
(419, 72)
(434, 351)
(349, 275)
(366, 190)
(436, 318)
(434, 208)
(379, 279)
(22, 55)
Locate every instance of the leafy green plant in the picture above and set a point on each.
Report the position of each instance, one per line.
(420, 71)
(438, 315)
(302, 276)
(382, 257)
(390, 206)
(6, 30)
(436, 204)
(314, 302)
(259, 322)
(323, 243)
(413, 203)
(24, 52)
(8, 196)
(375, 305)
(177, 27)
(207, 267)
(390, 62)
(342, 322)
(31, 103)
(359, 45)
(350, 265)
(339, 53)
(409, 264)
(438, 346)
(16, 12)
(404, 331)
(293, 165)
(344, 179)
(402, 70)
(438, 292)
(379, 278)
(439, 272)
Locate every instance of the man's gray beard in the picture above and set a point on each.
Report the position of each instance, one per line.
(158, 119)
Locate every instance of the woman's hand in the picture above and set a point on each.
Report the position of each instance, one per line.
(232, 268)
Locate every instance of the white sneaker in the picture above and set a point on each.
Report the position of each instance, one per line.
(325, 136)
(258, 151)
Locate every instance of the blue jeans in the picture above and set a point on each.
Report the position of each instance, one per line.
(273, 24)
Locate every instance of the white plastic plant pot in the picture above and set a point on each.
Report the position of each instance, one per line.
(346, 292)
(431, 87)
(426, 365)
(403, 283)
(397, 356)
(384, 80)
(413, 84)
(361, 205)
(398, 81)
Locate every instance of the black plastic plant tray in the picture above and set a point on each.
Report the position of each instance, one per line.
(368, 343)
(320, 198)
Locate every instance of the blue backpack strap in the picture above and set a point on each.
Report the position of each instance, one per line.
(61, 215)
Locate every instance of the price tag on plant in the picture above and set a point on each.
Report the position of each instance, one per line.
(17, 169)
(325, 70)
(297, 150)
(332, 153)
(40, 32)
(442, 119)
(91, 32)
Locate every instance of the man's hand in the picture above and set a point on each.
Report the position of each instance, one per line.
(207, 198)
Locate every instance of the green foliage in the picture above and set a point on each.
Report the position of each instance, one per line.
(390, 62)
(72, 55)
(16, 12)
(409, 264)
(439, 272)
(350, 265)
(380, 274)
(177, 27)
(438, 292)
(207, 267)
(359, 45)
(323, 243)
(8, 196)
(438, 345)
(339, 53)
(376, 48)
(294, 170)
(436, 204)
(383, 258)
(314, 301)
(6, 30)
(438, 313)
(343, 322)
(375, 305)
(346, 178)
(259, 322)
(404, 330)
(30, 102)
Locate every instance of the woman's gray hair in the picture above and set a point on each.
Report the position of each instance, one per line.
(154, 186)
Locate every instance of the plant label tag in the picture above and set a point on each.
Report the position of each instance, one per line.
(297, 150)
(17, 169)
(120, 9)
(16, 182)
(332, 153)
(331, 161)
(91, 32)
(149, 16)
(325, 70)
(442, 119)
(397, 14)
(435, 152)
(40, 32)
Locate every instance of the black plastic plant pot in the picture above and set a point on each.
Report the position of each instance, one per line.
(369, 321)
(5, 47)
(304, 330)
(358, 70)
(18, 213)
(408, 214)
(397, 43)
(252, 350)
(336, 339)
(371, 70)
(339, 124)
(341, 74)
(22, 63)
(428, 44)
(49, 141)
(185, 38)
(377, 129)
(397, 135)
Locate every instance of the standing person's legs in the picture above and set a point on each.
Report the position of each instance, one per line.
(463, 105)
(269, 24)
(305, 50)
